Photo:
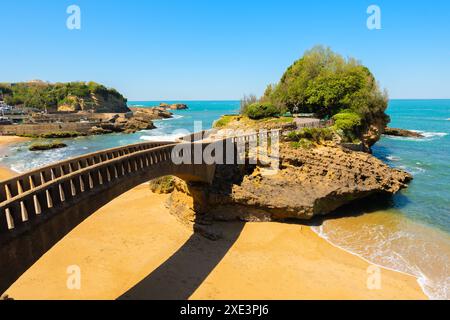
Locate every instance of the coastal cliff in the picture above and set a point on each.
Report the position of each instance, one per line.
(64, 97)
(309, 183)
(72, 109)
(325, 106)
(94, 102)
(327, 86)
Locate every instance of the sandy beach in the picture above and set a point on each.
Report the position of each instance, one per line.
(6, 173)
(134, 249)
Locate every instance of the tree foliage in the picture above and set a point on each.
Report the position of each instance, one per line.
(41, 95)
(261, 110)
(325, 83)
(247, 101)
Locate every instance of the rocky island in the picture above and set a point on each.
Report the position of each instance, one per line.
(319, 169)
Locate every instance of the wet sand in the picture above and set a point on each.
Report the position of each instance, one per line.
(396, 244)
(134, 249)
(6, 173)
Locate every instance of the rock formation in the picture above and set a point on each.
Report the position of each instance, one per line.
(175, 106)
(136, 122)
(151, 113)
(107, 103)
(179, 106)
(310, 182)
(402, 133)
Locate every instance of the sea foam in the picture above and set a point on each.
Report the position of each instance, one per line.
(427, 136)
(381, 252)
(393, 158)
(433, 134)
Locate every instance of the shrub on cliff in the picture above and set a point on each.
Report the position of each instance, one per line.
(223, 121)
(302, 144)
(316, 135)
(261, 110)
(162, 185)
(348, 124)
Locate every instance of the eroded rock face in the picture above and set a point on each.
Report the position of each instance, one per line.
(374, 130)
(179, 106)
(95, 103)
(310, 183)
(402, 133)
(152, 113)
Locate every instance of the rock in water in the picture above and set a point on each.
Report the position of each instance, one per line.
(46, 146)
(179, 106)
(402, 133)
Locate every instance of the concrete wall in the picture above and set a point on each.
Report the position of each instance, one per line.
(37, 129)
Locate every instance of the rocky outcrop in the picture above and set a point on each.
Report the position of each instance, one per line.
(310, 182)
(402, 133)
(96, 103)
(46, 146)
(137, 123)
(373, 129)
(125, 125)
(175, 106)
(179, 106)
(151, 113)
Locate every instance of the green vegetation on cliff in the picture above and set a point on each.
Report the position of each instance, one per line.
(262, 110)
(348, 124)
(307, 137)
(326, 84)
(43, 95)
(244, 122)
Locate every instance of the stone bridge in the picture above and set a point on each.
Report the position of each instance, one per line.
(40, 207)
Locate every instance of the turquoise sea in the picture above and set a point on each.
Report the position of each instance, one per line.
(184, 121)
(411, 234)
(428, 198)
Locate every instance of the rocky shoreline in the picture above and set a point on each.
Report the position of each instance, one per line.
(310, 183)
(86, 123)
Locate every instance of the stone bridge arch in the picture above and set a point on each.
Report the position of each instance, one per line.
(34, 220)
(42, 206)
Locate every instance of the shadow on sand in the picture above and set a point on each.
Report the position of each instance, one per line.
(372, 204)
(183, 273)
(179, 276)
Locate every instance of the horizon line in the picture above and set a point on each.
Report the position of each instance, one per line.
(178, 100)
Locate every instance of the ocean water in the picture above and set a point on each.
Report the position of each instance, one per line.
(200, 116)
(410, 233)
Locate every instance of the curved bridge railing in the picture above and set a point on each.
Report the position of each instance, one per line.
(40, 207)
(29, 180)
(29, 205)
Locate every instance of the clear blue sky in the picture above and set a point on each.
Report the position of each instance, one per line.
(221, 49)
